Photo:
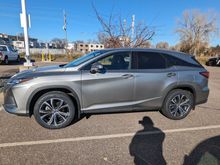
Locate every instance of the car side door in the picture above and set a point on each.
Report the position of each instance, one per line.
(152, 78)
(13, 53)
(111, 89)
(9, 53)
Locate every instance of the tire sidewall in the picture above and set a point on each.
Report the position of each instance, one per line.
(46, 97)
(18, 59)
(6, 60)
(165, 109)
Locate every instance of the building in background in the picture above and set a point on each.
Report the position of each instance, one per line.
(18, 44)
(71, 46)
(17, 41)
(4, 39)
(42, 45)
(84, 47)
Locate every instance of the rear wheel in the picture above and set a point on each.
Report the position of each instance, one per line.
(178, 104)
(54, 110)
(6, 60)
(18, 59)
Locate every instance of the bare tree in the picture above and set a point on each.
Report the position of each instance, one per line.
(115, 33)
(162, 45)
(195, 30)
(60, 43)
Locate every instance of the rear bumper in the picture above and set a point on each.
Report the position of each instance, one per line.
(202, 96)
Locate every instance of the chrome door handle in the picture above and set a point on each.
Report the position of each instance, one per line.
(171, 74)
(125, 76)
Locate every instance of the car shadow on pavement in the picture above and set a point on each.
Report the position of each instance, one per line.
(21, 62)
(147, 144)
(206, 152)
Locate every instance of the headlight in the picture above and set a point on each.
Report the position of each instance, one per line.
(18, 81)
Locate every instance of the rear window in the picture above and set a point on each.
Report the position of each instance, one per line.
(194, 59)
(148, 60)
(174, 61)
(3, 48)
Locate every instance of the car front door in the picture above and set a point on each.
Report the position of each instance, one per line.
(152, 77)
(13, 53)
(112, 89)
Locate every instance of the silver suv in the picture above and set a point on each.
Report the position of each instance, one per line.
(109, 80)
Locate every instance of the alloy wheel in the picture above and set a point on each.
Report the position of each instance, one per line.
(179, 105)
(54, 112)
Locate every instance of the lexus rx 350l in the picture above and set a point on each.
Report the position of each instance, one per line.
(109, 80)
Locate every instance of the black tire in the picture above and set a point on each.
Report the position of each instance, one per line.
(44, 119)
(18, 59)
(211, 63)
(207, 63)
(6, 60)
(172, 110)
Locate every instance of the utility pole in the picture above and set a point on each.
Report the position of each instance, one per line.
(124, 27)
(25, 23)
(132, 29)
(65, 26)
(17, 36)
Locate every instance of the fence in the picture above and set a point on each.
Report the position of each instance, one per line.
(44, 50)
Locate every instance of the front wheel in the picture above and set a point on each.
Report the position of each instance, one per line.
(178, 104)
(54, 110)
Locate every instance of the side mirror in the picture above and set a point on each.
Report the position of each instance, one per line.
(96, 68)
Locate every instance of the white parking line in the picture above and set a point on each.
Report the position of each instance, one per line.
(28, 143)
(1, 108)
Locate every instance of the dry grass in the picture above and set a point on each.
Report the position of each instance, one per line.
(73, 56)
(56, 58)
(202, 59)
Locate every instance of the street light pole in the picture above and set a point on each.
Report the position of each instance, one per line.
(25, 24)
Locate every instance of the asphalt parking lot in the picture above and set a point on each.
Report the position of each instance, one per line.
(120, 138)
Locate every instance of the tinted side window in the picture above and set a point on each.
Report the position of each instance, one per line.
(148, 60)
(116, 61)
(171, 60)
(3, 48)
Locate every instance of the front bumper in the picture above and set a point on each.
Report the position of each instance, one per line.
(10, 108)
(10, 104)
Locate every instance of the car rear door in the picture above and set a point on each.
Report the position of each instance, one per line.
(152, 78)
(4, 50)
(111, 90)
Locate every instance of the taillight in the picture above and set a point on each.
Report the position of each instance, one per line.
(205, 74)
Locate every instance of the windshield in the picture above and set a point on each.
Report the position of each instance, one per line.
(84, 58)
(11, 49)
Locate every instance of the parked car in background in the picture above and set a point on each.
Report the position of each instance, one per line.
(109, 80)
(8, 53)
(214, 61)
